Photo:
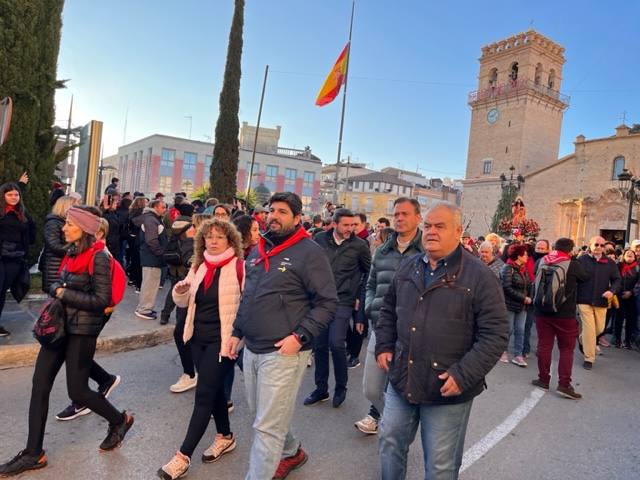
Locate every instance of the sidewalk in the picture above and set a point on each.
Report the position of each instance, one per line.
(124, 331)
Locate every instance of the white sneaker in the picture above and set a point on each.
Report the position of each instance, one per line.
(177, 467)
(221, 445)
(368, 425)
(504, 358)
(184, 383)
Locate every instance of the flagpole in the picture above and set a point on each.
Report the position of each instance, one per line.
(255, 138)
(344, 102)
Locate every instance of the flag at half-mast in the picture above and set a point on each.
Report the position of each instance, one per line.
(335, 79)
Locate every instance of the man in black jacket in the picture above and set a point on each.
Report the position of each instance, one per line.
(442, 328)
(594, 295)
(562, 323)
(288, 299)
(350, 261)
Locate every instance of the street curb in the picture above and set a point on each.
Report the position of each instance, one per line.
(12, 356)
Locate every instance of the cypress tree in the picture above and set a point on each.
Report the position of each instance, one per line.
(224, 166)
(29, 45)
(503, 210)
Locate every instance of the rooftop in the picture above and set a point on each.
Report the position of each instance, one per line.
(381, 177)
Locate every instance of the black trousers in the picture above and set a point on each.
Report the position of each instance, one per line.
(9, 270)
(210, 398)
(184, 350)
(627, 315)
(77, 354)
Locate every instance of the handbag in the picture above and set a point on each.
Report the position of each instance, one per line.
(22, 283)
(49, 328)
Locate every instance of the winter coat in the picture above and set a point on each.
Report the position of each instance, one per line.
(350, 262)
(113, 237)
(85, 297)
(53, 252)
(123, 219)
(229, 292)
(296, 295)
(602, 277)
(186, 248)
(516, 286)
(152, 238)
(16, 236)
(384, 264)
(458, 324)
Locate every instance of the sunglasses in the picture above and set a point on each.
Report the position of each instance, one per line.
(598, 244)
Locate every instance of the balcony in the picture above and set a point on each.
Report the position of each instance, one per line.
(514, 88)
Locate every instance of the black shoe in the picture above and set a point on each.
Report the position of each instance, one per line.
(339, 397)
(316, 397)
(587, 365)
(106, 388)
(4, 332)
(116, 433)
(72, 411)
(537, 383)
(164, 320)
(22, 463)
(353, 362)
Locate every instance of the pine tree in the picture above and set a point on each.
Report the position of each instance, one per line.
(29, 45)
(224, 167)
(509, 192)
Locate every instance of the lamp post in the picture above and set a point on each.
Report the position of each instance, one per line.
(512, 184)
(628, 185)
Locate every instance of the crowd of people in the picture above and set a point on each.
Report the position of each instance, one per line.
(273, 291)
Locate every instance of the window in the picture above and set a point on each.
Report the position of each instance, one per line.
(486, 167)
(187, 187)
(272, 172)
(538, 74)
(493, 77)
(390, 203)
(552, 79)
(368, 208)
(618, 166)
(190, 160)
(290, 174)
(168, 157)
(165, 184)
(514, 71)
(355, 203)
(256, 167)
(370, 185)
(208, 160)
(356, 185)
(309, 178)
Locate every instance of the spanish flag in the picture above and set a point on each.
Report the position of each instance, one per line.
(335, 79)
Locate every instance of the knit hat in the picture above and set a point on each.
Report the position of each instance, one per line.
(87, 221)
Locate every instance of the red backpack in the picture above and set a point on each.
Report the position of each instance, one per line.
(118, 279)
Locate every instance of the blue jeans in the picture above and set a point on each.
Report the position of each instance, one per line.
(526, 345)
(272, 382)
(442, 431)
(335, 338)
(517, 322)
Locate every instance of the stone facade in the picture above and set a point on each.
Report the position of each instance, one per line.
(579, 195)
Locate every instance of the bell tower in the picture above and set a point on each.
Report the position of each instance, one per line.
(516, 118)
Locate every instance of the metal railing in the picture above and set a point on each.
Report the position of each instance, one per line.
(515, 87)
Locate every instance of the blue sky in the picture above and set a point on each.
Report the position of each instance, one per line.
(412, 65)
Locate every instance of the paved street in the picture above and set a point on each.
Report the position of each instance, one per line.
(596, 437)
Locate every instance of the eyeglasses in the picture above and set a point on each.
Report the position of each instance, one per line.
(598, 244)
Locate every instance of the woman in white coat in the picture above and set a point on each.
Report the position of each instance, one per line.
(211, 294)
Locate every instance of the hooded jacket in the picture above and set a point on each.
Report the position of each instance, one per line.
(152, 238)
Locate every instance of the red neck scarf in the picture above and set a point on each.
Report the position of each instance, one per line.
(214, 262)
(80, 263)
(10, 208)
(627, 268)
(364, 234)
(300, 234)
(521, 268)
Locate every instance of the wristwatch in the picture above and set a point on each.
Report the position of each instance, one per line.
(301, 338)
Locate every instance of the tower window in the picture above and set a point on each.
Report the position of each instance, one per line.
(618, 166)
(552, 79)
(493, 77)
(506, 149)
(538, 74)
(514, 71)
(486, 167)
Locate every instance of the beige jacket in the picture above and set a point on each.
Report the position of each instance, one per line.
(228, 297)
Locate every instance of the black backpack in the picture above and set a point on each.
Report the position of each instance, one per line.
(173, 253)
(550, 286)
